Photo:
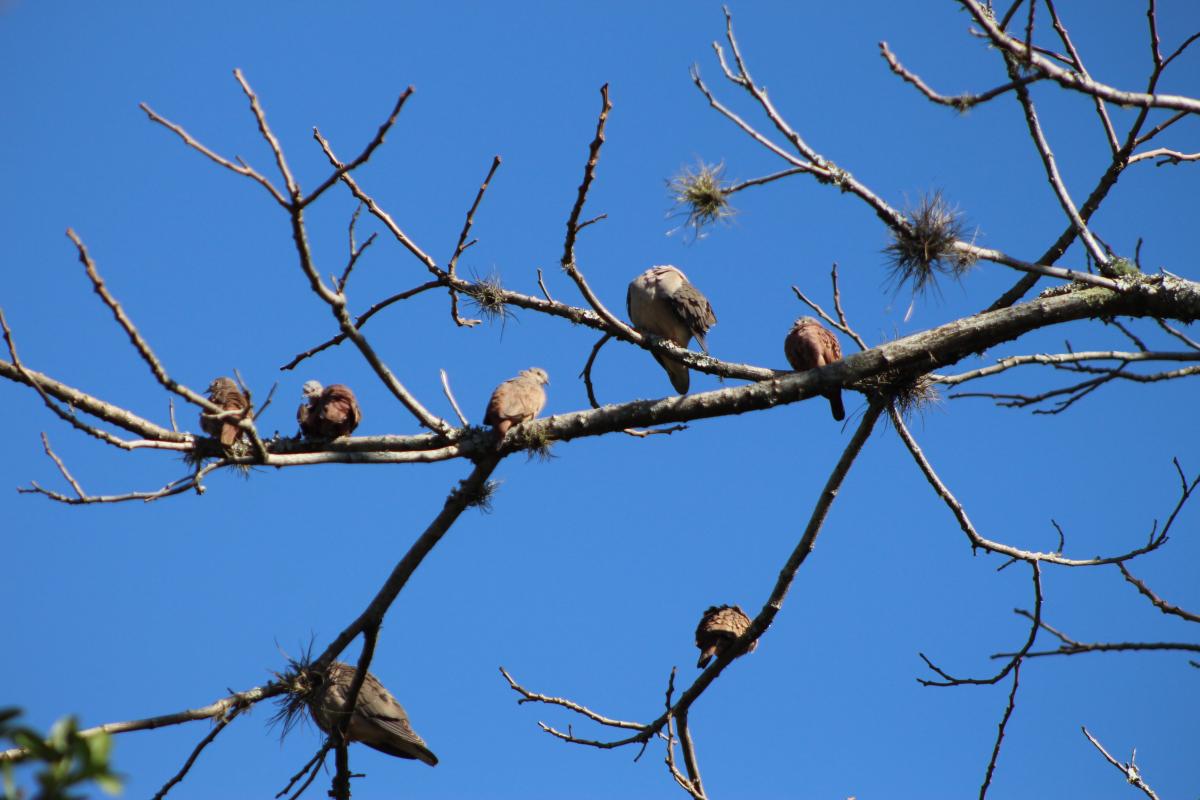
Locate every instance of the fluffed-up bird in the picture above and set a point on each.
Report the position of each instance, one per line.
(718, 628)
(378, 721)
(517, 400)
(663, 303)
(809, 345)
(226, 395)
(329, 412)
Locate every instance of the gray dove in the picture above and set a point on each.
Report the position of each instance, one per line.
(810, 345)
(663, 303)
(378, 720)
(517, 400)
(718, 628)
(329, 412)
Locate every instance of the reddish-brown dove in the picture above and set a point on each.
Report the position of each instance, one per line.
(329, 412)
(378, 720)
(809, 345)
(718, 628)
(663, 303)
(517, 400)
(225, 393)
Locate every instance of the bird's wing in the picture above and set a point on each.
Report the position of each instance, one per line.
(694, 309)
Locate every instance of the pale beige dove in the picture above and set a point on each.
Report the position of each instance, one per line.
(329, 412)
(718, 629)
(378, 721)
(517, 400)
(810, 345)
(663, 303)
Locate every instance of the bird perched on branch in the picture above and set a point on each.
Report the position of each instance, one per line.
(228, 397)
(329, 412)
(517, 400)
(663, 303)
(378, 721)
(717, 630)
(810, 345)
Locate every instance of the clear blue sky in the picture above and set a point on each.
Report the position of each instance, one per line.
(588, 578)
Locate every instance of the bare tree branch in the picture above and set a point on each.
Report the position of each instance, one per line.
(219, 708)
(1130, 770)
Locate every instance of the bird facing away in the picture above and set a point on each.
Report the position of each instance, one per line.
(517, 400)
(225, 394)
(329, 412)
(663, 303)
(718, 628)
(378, 720)
(810, 345)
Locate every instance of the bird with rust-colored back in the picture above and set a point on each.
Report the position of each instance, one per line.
(517, 400)
(718, 629)
(809, 345)
(329, 412)
(225, 394)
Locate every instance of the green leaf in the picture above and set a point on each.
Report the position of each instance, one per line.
(111, 784)
(61, 733)
(99, 748)
(10, 788)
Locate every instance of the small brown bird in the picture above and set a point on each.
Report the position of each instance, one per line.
(517, 400)
(718, 628)
(330, 412)
(810, 345)
(378, 720)
(225, 393)
(663, 303)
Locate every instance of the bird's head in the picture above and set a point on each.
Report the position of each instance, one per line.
(222, 384)
(311, 389)
(537, 374)
(662, 270)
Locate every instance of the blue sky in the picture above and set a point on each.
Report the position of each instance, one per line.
(587, 579)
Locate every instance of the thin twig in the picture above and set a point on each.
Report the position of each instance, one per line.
(542, 286)
(215, 709)
(341, 779)
(978, 541)
(462, 245)
(240, 168)
(1008, 710)
(569, 264)
(1009, 362)
(450, 396)
(1014, 658)
(469, 492)
(62, 467)
(1158, 602)
(272, 142)
(1072, 647)
(361, 320)
(959, 102)
(364, 155)
(65, 415)
(533, 697)
(1130, 770)
(1070, 79)
(139, 343)
(312, 764)
(205, 742)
